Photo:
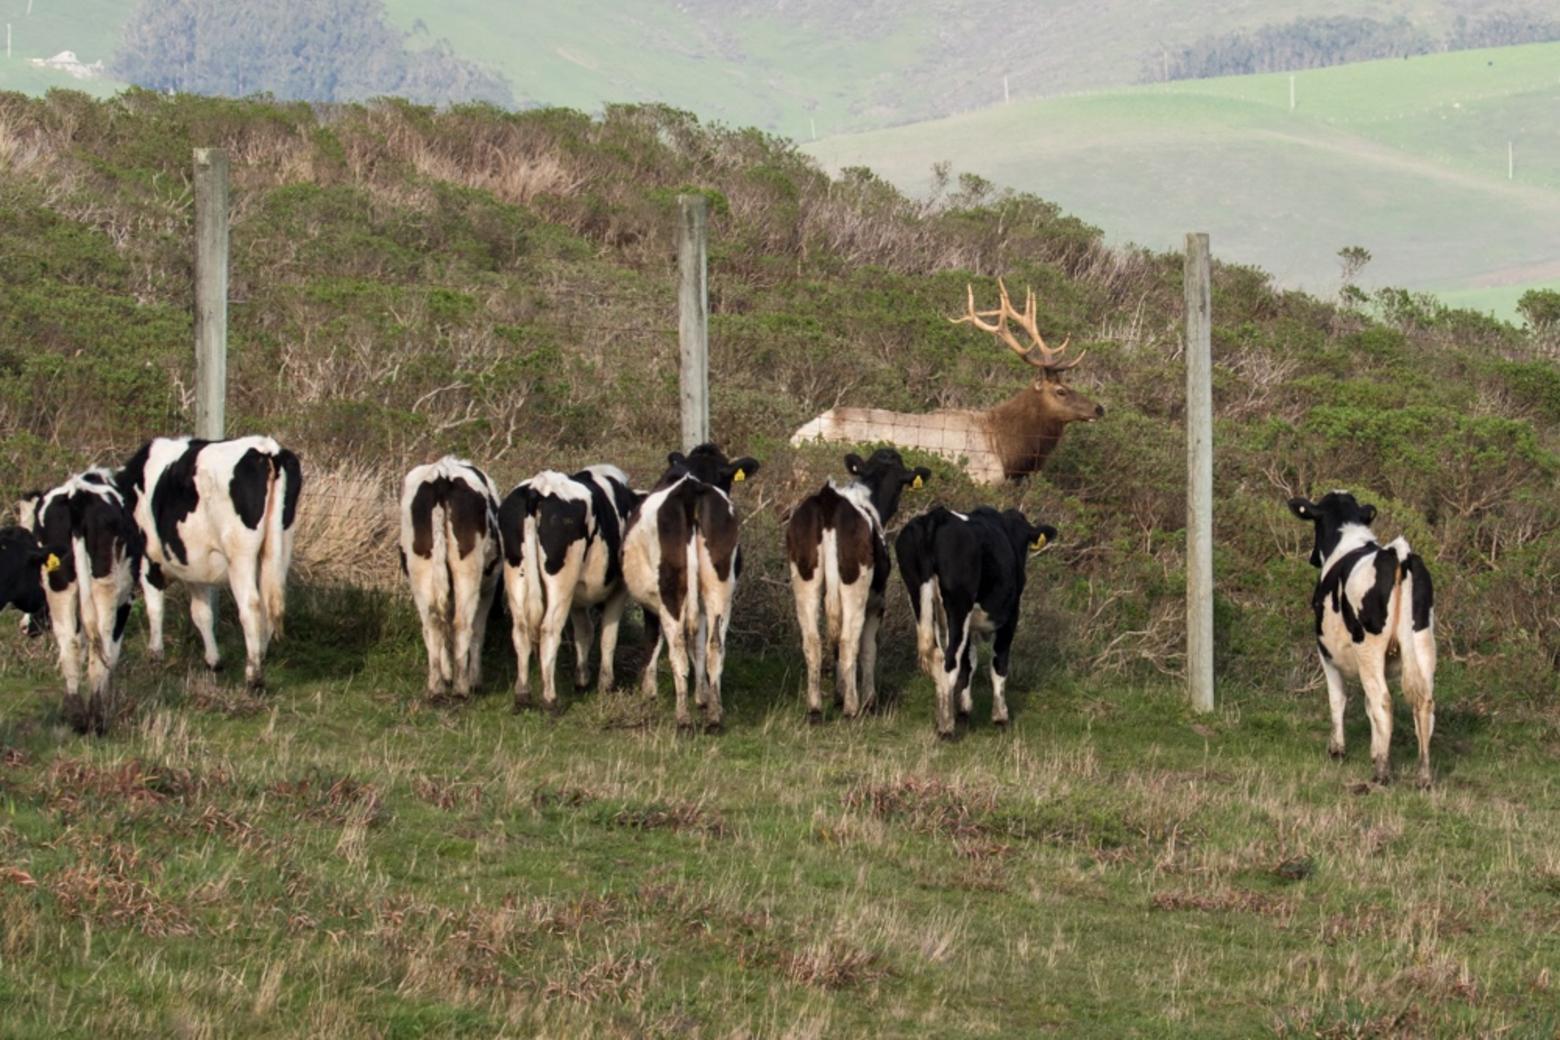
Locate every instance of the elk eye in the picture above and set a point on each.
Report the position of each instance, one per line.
(1061, 391)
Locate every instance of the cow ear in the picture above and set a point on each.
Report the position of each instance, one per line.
(743, 468)
(853, 464)
(676, 458)
(1304, 508)
(1369, 513)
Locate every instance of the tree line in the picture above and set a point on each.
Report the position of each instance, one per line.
(1310, 43)
(305, 50)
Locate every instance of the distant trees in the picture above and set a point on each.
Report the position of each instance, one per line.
(1309, 43)
(310, 50)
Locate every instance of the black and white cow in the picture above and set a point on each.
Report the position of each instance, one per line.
(91, 558)
(965, 576)
(21, 576)
(563, 557)
(1375, 614)
(449, 552)
(681, 561)
(839, 554)
(215, 512)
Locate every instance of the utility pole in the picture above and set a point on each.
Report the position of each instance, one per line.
(1291, 92)
(211, 292)
(1199, 474)
(693, 310)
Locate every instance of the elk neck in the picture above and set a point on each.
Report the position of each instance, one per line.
(1024, 432)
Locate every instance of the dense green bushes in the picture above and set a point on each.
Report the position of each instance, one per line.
(502, 284)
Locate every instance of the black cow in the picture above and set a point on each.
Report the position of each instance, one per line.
(965, 576)
(91, 552)
(839, 554)
(1375, 613)
(681, 562)
(21, 580)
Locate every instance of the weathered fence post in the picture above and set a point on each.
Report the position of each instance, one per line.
(693, 320)
(1199, 474)
(211, 291)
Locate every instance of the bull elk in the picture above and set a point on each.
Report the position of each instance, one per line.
(1008, 441)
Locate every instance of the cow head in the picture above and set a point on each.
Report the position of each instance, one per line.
(709, 464)
(1329, 516)
(1025, 536)
(22, 562)
(886, 474)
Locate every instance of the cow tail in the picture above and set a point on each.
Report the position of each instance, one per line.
(283, 483)
(531, 566)
(1416, 648)
(833, 604)
(86, 613)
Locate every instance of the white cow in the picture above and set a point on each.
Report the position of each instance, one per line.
(214, 513)
(449, 551)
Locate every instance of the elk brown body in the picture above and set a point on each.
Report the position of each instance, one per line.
(1006, 442)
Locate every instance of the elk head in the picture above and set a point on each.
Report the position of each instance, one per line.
(1050, 395)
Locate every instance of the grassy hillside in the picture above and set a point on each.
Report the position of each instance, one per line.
(1406, 158)
(338, 858)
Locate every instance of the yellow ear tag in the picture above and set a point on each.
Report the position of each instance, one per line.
(52, 563)
(740, 475)
(1037, 544)
(919, 483)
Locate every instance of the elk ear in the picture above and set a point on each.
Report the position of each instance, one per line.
(1369, 513)
(1304, 508)
(919, 477)
(853, 464)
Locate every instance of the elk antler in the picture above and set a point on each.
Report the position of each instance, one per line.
(1037, 354)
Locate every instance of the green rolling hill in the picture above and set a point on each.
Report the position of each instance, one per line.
(1407, 158)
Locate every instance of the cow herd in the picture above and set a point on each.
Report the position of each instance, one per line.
(576, 549)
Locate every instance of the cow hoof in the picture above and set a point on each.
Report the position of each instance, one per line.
(1423, 782)
(255, 686)
(685, 729)
(1335, 753)
(553, 709)
(963, 715)
(815, 718)
(1000, 723)
(520, 706)
(948, 737)
(215, 667)
(714, 727)
(581, 687)
(1381, 777)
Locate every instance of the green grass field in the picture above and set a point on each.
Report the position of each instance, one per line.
(337, 858)
(1406, 158)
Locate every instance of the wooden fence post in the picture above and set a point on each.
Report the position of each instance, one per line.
(1199, 474)
(693, 320)
(211, 292)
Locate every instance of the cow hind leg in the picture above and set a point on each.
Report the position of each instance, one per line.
(553, 620)
(655, 634)
(479, 624)
(466, 596)
(1000, 652)
(611, 624)
(955, 652)
(520, 635)
(203, 615)
(853, 617)
(433, 641)
(870, 629)
(1337, 700)
(244, 581)
(1378, 706)
(715, 666)
(154, 596)
(584, 632)
(806, 592)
